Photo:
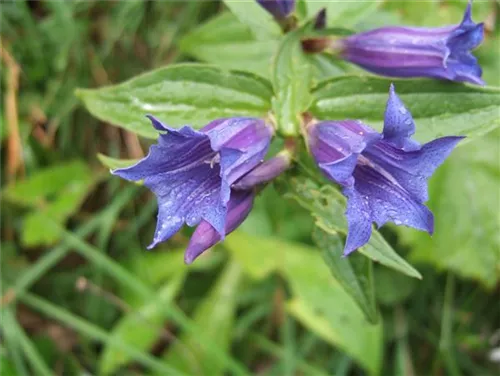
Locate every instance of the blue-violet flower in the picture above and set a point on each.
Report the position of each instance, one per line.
(280, 9)
(205, 236)
(191, 173)
(442, 52)
(384, 176)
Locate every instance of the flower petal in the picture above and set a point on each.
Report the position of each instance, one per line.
(278, 8)
(264, 172)
(205, 236)
(359, 223)
(336, 144)
(388, 201)
(412, 169)
(398, 122)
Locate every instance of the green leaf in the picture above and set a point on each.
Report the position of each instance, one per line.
(140, 328)
(392, 288)
(192, 94)
(464, 198)
(54, 193)
(215, 315)
(227, 43)
(327, 206)
(260, 21)
(343, 13)
(292, 75)
(322, 305)
(439, 108)
(113, 163)
(353, 273)
(257, 255)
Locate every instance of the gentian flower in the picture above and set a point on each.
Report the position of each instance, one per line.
(384, 176)
(191, 173)
(266, 171)
(280, 9)
(239, 205)
(205, 235)
(442, 52)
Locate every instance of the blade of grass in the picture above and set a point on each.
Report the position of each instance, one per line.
(38, 365)
(92, 331)
(275, 350)
(12, 343)
(134, 284)
(51, 258)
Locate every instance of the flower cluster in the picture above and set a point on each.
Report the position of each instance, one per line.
(208, 178)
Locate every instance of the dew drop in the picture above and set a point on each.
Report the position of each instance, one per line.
(397, 222)
(402, 110)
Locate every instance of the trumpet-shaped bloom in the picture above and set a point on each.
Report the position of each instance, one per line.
(280, 9)
(442, 52)
(205, 235)
(191, 172)
(384, 176)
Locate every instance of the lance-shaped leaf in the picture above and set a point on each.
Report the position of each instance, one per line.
(354, 273)
(327, 206)
(226, 42)
(438, 108)
(187, 94)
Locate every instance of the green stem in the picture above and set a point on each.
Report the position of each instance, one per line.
(446, 340)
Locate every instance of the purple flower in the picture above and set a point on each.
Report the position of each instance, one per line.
(191, 172)
(205, 235)
(384, 176)
(442, 53)
(280, 9)
(265, 172)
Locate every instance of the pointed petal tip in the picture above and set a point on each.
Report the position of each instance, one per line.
(348, 251)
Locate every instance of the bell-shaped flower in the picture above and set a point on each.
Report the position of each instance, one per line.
(191, 172)
(442, 52)
(280, 9)
(240, 203)
(205, 235)
(384, 176)
(266, 171)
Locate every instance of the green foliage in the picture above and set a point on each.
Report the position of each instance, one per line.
(316, 304)
(215, 315)
(53, 193)
(346, 13)
(291, 81)
(469, 179)
(436, 106)
(140, 328)
(272, 299)
(325, 204)
(260, 22)
(228, 43)
(354, 274)
(178, 95)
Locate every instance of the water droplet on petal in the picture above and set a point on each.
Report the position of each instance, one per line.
(402, 110)
(397, 222)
